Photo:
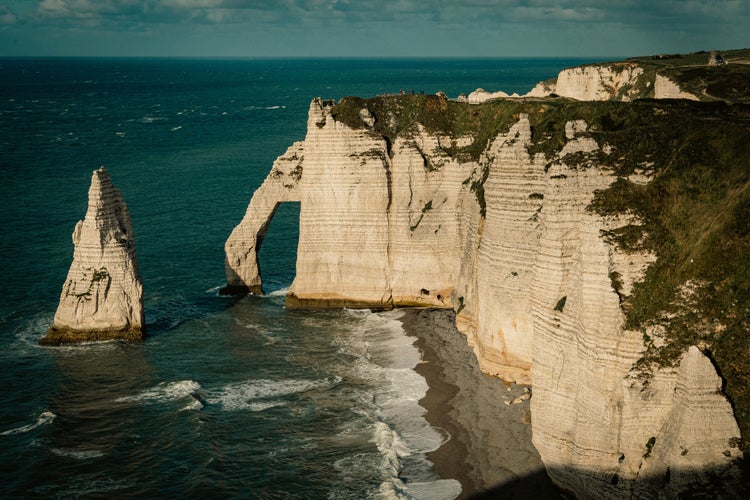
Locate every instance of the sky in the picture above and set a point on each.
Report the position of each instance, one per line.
(371, 28)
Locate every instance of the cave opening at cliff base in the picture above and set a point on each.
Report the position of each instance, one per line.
(277, 250)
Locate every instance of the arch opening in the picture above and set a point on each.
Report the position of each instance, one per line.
(277, 248)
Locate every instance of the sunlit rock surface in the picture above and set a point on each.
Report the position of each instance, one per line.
(102, 298)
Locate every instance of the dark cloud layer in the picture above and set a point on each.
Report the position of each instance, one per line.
(399, 27)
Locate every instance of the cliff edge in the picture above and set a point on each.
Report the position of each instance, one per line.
(592, 249)
(102, 298)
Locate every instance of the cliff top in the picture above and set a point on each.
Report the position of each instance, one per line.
(729, 82)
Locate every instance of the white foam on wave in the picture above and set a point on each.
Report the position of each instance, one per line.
(194, 404)
(165, 392)
(43, 419)
(390, 446)
(152, 119)
(269, 108)
(386, 358)
(77, 454)
(33, 329)
(279, 293)
(261, 394)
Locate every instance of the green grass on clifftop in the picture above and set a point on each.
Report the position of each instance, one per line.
(398, 116)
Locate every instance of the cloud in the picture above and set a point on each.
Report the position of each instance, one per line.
(401, 27)
(403, 12)
(7, 16)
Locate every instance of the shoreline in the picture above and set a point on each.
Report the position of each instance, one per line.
(489, 450)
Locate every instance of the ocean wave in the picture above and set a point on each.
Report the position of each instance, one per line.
(152, 119)
(165, 392)
(385, 358)
(33, 329)
(279, 293)
(195, 404)
(391, 449)
(29, 333)
(261, 394)
(391, 446)
(43, 419)
(77, 454)
(269, 108)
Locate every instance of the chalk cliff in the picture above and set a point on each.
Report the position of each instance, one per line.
(102, 298)
(658, 77)
(497, 211)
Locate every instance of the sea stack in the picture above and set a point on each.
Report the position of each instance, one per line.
(102, 298)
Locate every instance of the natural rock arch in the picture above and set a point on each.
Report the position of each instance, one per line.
(243, 245)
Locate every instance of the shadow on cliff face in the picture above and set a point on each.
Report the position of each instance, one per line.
(688, 484)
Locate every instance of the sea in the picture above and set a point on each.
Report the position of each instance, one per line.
(228, 397)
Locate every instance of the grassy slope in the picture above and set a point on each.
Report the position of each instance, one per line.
(695, 211)
(730, 83)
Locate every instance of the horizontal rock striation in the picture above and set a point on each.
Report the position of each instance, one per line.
(102, 298)
(399, 213)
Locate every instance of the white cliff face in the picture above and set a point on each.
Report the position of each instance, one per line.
(102, 297)
(342, 252)
(509, 243)
(609, 82)
(621, 82)
(599, 83)
(664, 88)
(363, 202)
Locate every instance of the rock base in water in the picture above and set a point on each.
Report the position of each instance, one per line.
(61, 336)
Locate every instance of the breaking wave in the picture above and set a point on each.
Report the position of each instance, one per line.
(43, 419)
(164, 392)
(258, 395)
(77, 454)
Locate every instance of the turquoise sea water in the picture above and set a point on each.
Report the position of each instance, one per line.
(228, 396)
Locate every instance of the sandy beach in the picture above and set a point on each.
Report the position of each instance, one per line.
(489, 451)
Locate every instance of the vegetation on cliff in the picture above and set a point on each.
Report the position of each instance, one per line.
(694, 213)
(696, 219)
(730, 82)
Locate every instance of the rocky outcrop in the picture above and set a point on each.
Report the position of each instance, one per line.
(507, 239)
(102, 298)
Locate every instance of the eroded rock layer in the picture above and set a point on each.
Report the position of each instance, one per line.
(102, 298)
(507, 238)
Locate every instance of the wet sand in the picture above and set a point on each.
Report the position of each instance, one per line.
(490, 451)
